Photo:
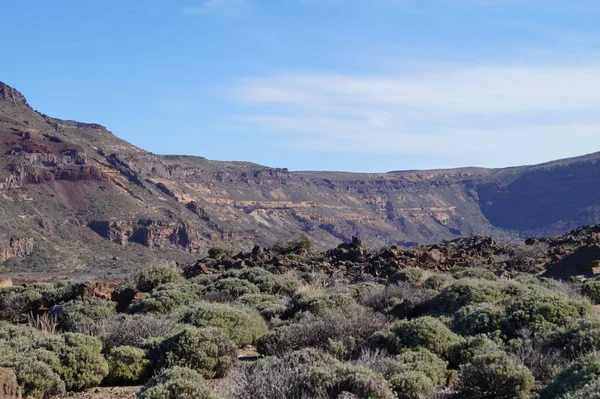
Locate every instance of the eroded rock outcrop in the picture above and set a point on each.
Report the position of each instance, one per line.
(149, 233)
(15, 247)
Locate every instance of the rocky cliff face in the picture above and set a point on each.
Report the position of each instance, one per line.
(93, 203)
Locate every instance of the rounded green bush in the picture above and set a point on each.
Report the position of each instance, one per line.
(494, 375)
(423, 332)
(578, 338)
(242, 324)
(266, 281)
(70, 314)
(83, 365)
(354, 379)
(591, 289)
(411, 385)
(466, 350)
(425, 362)
(205, 350)
(466, 292)
(167, 298)
(176, 383)
(36, 378)
(267, 305)
(473, 272)
(438, 282)
(317, 303)
(233, 286)
(149, 279)
(411, 275)
(127, 365)
(478, 319)
(580, 373)
(537, 310)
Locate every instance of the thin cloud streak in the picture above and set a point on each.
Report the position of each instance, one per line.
(461, 111)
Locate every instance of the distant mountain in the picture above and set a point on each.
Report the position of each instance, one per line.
(75, 199)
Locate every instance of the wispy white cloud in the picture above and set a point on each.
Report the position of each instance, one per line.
(459, 110)
(211, 6)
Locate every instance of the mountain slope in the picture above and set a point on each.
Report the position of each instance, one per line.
(76, 198)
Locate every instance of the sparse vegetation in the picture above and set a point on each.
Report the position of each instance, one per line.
(407, 333)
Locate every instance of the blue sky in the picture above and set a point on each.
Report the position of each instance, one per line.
(357, 85)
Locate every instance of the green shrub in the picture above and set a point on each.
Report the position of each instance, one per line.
(580, 373)
(578, 338)
(127, 365)
(591, 289)
(167, 297)
(494, 375)
(348, 327)
(36, 378)
(334, 380)
(243, 325)
(466, 350)
(70, 314)
(217, 252)
(590, 391)
(267, 282)
(411, 275)
(466, 292)
(473, 272)
(16, 304)
(411, 385)
(267, 305)
(536, 310)
(317, 303)
(82, 363)
(205, 350)
(148, 279)
(424, 332)
(425, 362)
(176, 383)
(401, 300)
(478, 319)
(438, 282)
(233, 286)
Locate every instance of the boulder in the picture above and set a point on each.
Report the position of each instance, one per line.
(10, 387)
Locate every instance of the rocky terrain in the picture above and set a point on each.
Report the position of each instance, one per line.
(76, 199)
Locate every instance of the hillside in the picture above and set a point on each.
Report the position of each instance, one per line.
(77, 199)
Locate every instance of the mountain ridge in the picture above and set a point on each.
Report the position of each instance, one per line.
(93, 203)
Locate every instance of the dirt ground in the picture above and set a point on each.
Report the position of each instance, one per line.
(104, 393)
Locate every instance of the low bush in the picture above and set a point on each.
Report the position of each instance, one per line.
(317, 303)
(205, 350)
(353, 379)
(462, 352)
(466, 292)
(477, 273)
(127, 365)
(148, 279)
(267, 305)
(577, 338)
(348, 327)
(580, 373)
(36, 378)
(424, 362)
(71, 314)
(176, 383)
(494, 375)
(400, 300)
(132, 330)
(267, 282)
(424, 332)
(591, 289)
(411, 385)
(242, 324)
(411, 275)
(538, 309)
(165, 298)
(438, 282)
(82, 363)
(478, 319)
(233, 286)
